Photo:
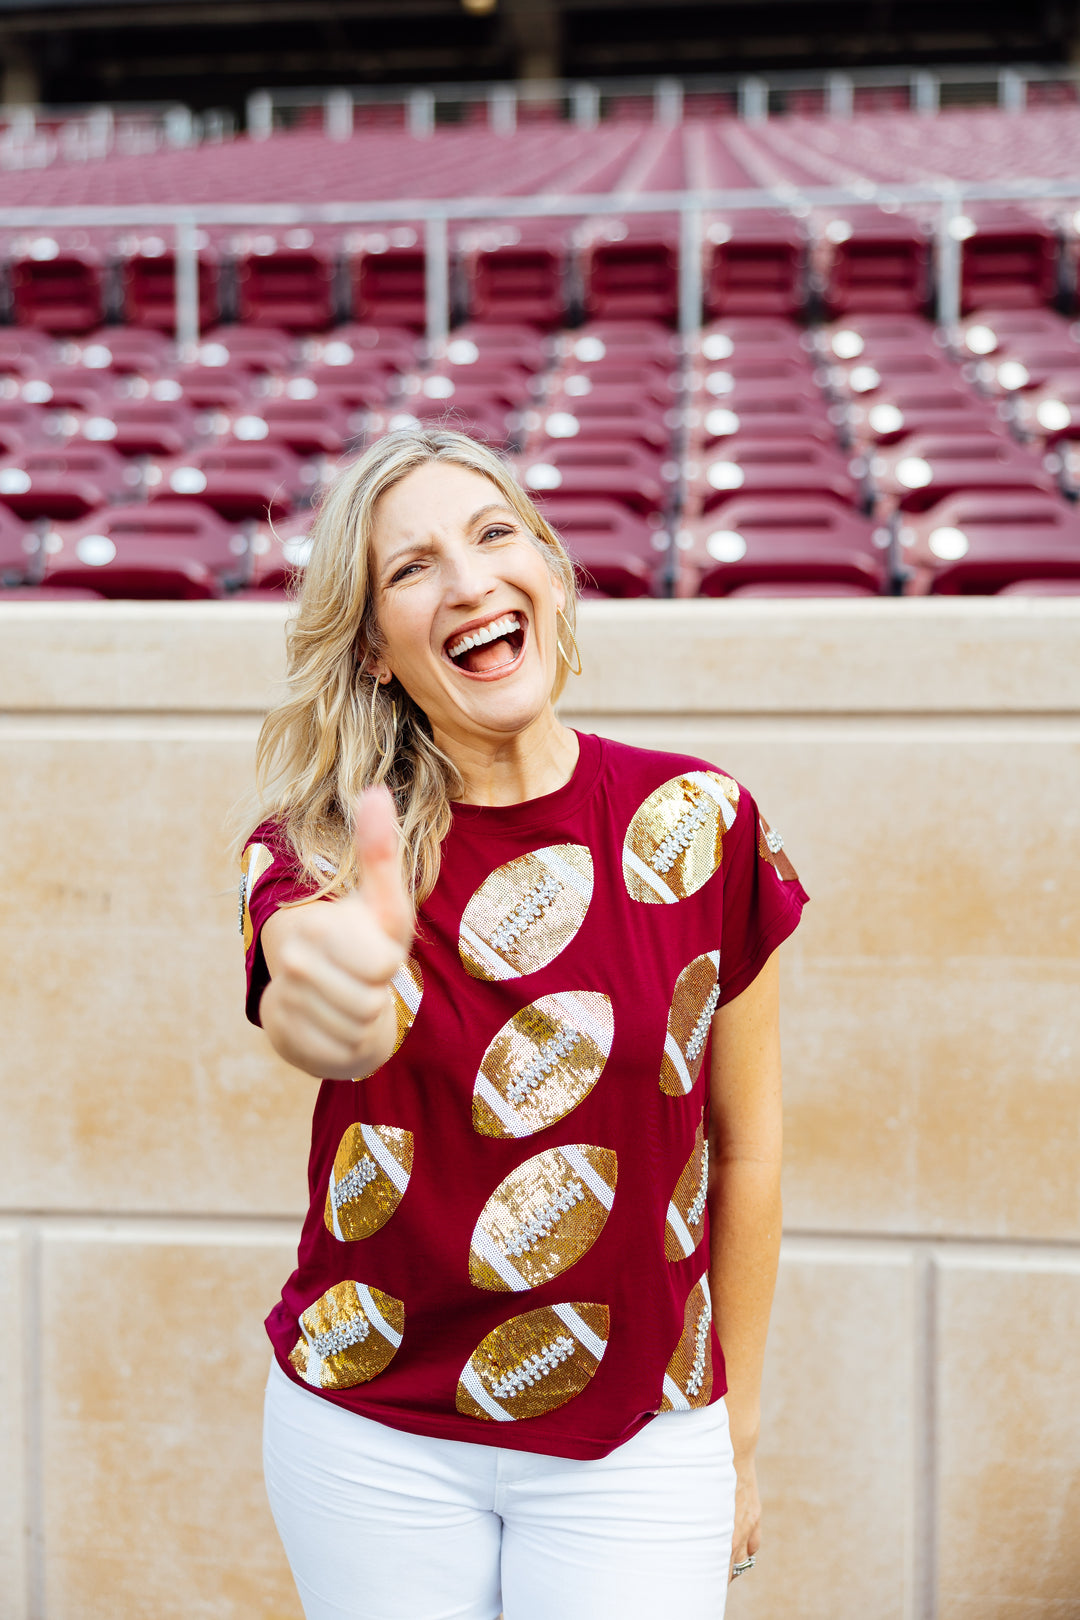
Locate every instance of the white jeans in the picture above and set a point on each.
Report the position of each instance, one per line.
(378, 1524)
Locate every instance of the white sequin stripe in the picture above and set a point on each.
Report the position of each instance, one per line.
(407, 988)
(338, 1233)
(579, 1015)
(375, 1316)
(681, 1230)
(500, 1108)
(570, 876)
(483, 952)
(581, 1330)
(675, 1394)
(481, 1396)
(384, 1158)
(596, 1184)
(716, 792)
(647, 875)
(484, 1246)
(673, 1050)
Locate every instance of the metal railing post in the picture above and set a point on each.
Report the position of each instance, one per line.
(585, 106)
(753, 100)
(949, 263)
(436, 279)
(927, 97)
(338, 115)
(421, 119)
(187, 287)
(260, 115)
(839, 95)
(502, 109)
(668, 102)
(691, 271)
(1012, 90)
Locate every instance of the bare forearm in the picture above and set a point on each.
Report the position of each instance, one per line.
(745, 1223)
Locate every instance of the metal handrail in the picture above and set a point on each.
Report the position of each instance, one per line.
(947, 199)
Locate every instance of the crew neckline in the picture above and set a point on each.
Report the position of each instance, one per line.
(530, 813)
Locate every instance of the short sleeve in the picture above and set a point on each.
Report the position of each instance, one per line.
(270, 877)
(763, 898)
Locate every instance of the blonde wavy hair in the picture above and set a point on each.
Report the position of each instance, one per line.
(337, 731)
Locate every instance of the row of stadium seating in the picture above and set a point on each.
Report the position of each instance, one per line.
(753, 263)
(855, 457)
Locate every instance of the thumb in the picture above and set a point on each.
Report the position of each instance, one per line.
(377, 845)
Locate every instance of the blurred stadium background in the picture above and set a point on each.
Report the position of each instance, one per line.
(776, 310)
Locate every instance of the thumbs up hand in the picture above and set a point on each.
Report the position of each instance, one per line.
(328, 1008)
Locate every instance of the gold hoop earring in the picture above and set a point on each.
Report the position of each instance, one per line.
(389, 747)
(573, 643)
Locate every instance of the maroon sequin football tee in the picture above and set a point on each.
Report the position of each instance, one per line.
(507, 1241)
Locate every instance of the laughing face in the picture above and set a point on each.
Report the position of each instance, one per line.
(466, 606)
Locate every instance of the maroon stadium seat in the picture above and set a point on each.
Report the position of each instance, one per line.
(635, 277)
(882, 264)
(148, 285)
(610, 545)
(780, 540)
(67, 482)
(924, 468)
(388, 284)
(238, 480)
(286, 281)
(1010, 260)
(597, 469)
(771, 467)
(522, 280)
(62, 292)
(979, 541)
(754, 266)
(164, 549)
(21, 556)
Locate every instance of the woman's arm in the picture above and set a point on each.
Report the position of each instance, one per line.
(328, 1008)
(745, 1216)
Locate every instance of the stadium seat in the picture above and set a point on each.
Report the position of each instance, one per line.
(624, 341)
(754, 265)
(388, 284)
(247, 348)
(238, 480)
(779, 540)
(138, 349)
(522, 280)
(169, 549)
(924, 468)
(598, 470)
(308, 426)
(913, 405)
(67, 482)
(874, 262)
(148, 285)
(979, 541)
(1010, 259)
(802, 467)
(144, 427)
(989, 330)
(1041, 587)
(21, 554)
(1051, 412)
(639, 421)
(286, 281)
(502, 341)
(611, 547)
(57, 288)
(379, 349)
(635, 276)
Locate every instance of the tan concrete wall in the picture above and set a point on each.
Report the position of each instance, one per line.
(921, 1459)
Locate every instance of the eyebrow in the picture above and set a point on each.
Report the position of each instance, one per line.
(412, 547)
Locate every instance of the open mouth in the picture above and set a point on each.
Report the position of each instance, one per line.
(488, 649)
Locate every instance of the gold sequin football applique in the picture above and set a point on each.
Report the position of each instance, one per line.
(771, 848)
(371, 1171)
(526, 912)
(689, 1378)
(534, 1363)
(348, 1336)
(543, 1217)
(255, 860)
(697, 991)
(542, 1063)
(407, 989)
(675, 841)
(685, 1226)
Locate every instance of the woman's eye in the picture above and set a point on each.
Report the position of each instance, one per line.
(499, 532)
(403, 573)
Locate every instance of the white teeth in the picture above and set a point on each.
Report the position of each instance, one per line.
(489, 632)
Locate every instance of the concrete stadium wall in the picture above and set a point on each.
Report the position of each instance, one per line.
(921, 1457)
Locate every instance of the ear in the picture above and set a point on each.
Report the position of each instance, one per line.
(558, 592)
(381, 672)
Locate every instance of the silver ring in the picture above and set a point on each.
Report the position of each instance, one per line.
(747, 1563)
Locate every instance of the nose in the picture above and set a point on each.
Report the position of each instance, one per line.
(469, 576)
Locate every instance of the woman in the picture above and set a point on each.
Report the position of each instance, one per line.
(497, 1380)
